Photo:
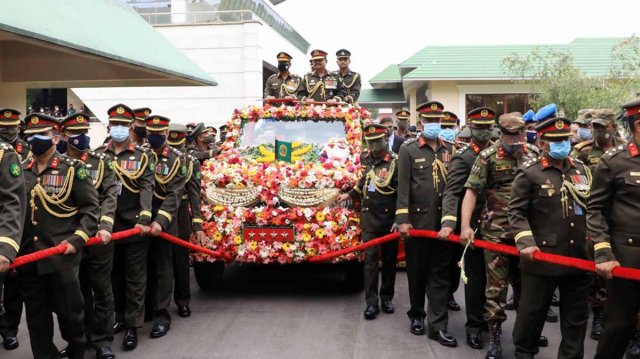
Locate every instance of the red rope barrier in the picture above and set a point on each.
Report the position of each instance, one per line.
(194, 247)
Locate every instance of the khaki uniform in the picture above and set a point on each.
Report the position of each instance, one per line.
(319, 88)
(351, 85)
(280, 87)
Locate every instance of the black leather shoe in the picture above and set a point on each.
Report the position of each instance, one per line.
(444, 338)
(105, 353)
(552, 317)
(371, 312)
(10, 343)
(118, 327)
(159, 330)
(474, 341)
(130, 340)
(453, 305)
(184, 311)
(417, 326)
(543, 341)
(388, 307)
(63, 353)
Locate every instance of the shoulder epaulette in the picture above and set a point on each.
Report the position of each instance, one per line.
(6, 146)
(488, 152)
(274, 75)
(409, 141)
(614, 151)
(177, 152)
(530, 162)
(533, 149)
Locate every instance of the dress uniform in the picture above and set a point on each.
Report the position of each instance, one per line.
(492, 174)
(403, 122)
(547, 213)
(450, 123)
(319, 87)
(133, 167)
(283, 84)
(350, 81)
(139, 126)
(422, 177)
(189, 221)
(459, 170)
(612, 216)
(170, 174)
(377, 190)
(582, 149)
(97, 261)
(199, 147)
(10, 297)
(64, 208)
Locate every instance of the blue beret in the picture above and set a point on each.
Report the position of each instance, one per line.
(529, 116)
(548, 111)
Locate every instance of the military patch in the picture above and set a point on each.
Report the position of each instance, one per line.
(183, 170)
(110, 165)
(151, 166)
(15, 170)
(82, 173)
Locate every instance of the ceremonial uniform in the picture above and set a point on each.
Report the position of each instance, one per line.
(283, 84)
(63, 207)
(403, 122)
(170, 175)
(547, 210)
(194, 150)
(377, 190)
(350, 81)
(422, 177)
(319, 88)
(133, 168)
(97, 261)
(612, 216)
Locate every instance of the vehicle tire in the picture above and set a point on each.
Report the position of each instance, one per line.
(208, 274)
(354, 276)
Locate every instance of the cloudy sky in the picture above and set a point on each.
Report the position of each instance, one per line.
(379, 33)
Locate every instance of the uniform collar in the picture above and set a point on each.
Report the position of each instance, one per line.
(474, 147)
(566, 164)
(632, 147)
(111, 147)
(54, 163)
(422, 141)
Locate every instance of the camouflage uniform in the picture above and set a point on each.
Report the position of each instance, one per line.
(493, 173)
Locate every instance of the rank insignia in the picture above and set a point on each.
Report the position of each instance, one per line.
(82, 173)
(15, 170)
(110, 165)
(184, 170)
(198, 176)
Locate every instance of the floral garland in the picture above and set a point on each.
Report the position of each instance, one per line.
(317, 230)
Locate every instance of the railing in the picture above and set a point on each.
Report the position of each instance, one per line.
(204, 17)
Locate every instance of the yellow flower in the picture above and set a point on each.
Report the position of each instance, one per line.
(253, 245)
(237, 240)
(319, 232)
(320, 216)
(218, 208)
(306, 237)
(217, 237)
(286, 246)
(311, 251)
(306, 226)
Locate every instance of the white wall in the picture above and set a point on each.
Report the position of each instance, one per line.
(230, 53)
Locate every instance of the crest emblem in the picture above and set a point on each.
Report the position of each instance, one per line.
(146, 112)
(559, 124)
(174, 135)
(35, 120)
(7, 114)
(372, 130)
(156, 121)
(447, 116)
(15, 170)
(120, 110)
(282, 150)
(434, 107)
(80, 119)
(484, 113)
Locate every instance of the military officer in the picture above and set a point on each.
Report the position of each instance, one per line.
(63, 209)
(350, 80)
(97, 261)
(450, 125)
(377, 190)
(459, 170)
(547, 213)
(170, 174)
(134, 169)
(585, 137)
(224, 129)
(422, 177)
(10, 297)
(139, 127)
(492, 174)
(612, 216)
(530, 123)
(402, 121)
(283, 85)
(320, 84)
(200, 140)
(189, 221)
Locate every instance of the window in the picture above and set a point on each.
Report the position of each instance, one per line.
(501, 103)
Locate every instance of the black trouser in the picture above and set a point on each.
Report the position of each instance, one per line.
(160, 257)
(474, 298)
(535, 300)
(620, 315)
(12, 302)
(129, 280)
(182, 290)
(45, 294)
(95, 281)
(388, 253)
(428, 273)
(454, 269)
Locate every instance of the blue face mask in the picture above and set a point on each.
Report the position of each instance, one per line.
(155, 140)
(448, 134)
(80, 142)
(431, 130)
(61, 147)
(119, 133)
(532, 136)
(584, 134)
(559, 150)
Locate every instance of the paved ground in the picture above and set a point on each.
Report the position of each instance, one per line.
(294, 312)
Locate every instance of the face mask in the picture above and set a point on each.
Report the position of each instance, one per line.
(559, 150)
(155, 140)
(207, 140)
(119, 133)
(378, 147)
(40, 144)
(8, 135)
(80, 142)
(601, 136)
(431, 130)
(140, 131)
(283, 66)
(61, 147)
(403, 125)
(223, 136)
(448, 134)
(584, 134)
(511, 149)
(480, 136)
(532, 136)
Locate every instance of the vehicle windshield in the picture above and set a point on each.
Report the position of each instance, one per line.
(267, 131)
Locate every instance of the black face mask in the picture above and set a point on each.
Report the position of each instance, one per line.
(9, 135)
(283, 66)
(140, 131)
(40, 144)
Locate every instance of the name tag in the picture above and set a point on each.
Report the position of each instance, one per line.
(594, 160)
(503, 167)
(546, 185)
(418, 160)
(634, 174)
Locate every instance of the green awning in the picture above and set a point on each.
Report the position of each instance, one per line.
(106, 28)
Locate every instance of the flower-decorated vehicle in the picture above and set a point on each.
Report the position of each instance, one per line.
(271, 193)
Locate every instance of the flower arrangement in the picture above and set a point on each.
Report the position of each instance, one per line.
(246, 187)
